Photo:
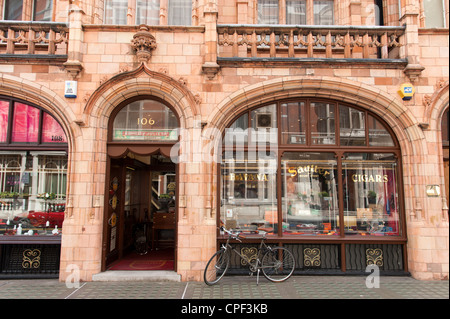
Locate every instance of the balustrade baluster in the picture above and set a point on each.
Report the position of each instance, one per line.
(272, 40)
(291, 52)
(254, 45)
(384, 46)
(51, 42)
(310, 50)
(10, 41)
(328, 51)
(31, 44)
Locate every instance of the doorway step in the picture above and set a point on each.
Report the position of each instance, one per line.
(139, 275)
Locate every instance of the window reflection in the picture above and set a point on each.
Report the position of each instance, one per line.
(309, 187)
(249, 192)
(370, 194)
(145, 120)
(32, 192)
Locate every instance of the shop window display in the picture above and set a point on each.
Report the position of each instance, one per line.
(249, 192)
(370, 194)
(326, 177)
(32, 180)
(309, 188)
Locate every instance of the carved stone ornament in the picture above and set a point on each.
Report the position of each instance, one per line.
(143, 43)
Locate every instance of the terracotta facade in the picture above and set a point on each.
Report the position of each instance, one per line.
(208, 80)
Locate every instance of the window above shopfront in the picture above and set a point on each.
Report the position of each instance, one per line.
(145, 120)
(336, 173)
(22, 124)
(36, 10)
(296, 12)
(148, 12)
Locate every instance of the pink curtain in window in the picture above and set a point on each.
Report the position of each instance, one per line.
(52, 132)
(4, 107)
(25, 124)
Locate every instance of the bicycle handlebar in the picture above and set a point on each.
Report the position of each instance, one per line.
(237, 235)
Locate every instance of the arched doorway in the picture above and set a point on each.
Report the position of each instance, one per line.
(141, 187)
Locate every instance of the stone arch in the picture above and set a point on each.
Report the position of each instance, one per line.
(404, 125)
(436, 105)
(141, 81)
(42, 96)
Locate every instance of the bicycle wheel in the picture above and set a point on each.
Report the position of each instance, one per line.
(278, 264)
(216, 267)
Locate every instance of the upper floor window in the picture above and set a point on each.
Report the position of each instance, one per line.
(179, 12)
(296, 12)
(434, 13)
(324, 12)
(13, 9)
(40, 10)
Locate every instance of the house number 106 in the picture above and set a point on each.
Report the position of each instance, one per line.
(145, 121)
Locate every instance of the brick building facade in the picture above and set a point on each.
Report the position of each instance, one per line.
(211, 65)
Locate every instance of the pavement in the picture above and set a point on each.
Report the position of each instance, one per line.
(231, 288)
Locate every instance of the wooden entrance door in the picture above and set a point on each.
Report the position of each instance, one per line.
(114, 213)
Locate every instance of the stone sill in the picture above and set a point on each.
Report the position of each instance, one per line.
(135, 28)
(313, 62)
(33, 59)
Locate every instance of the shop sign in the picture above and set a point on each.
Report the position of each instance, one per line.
(159, 135)
(247, 177)
(406, 91)
(369, 178)
(70, 89)
(307, 170)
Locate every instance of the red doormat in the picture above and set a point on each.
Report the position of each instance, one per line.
(153, 260)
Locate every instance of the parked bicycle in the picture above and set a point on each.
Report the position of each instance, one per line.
(276, 263)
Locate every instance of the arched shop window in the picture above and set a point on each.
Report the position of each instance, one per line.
(33, 170)
(311, 168)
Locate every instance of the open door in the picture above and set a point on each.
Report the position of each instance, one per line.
(141, 214)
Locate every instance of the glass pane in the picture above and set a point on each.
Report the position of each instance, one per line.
(145, 120)
(434, 13)
(268, 12)
(32, 193)
(52, 132)
(248, 192)
(293, 123)
(322, 123)
(351, 126)
(13, 9)
(4, 111)
(42, 10)
(378, 135)
(237, 134)
(116, 11)
(147, 12)
(310, 195)
(323, 12)
(295, 12)
(180, 12)
(263, 123)
(25, 124)
(370, 194)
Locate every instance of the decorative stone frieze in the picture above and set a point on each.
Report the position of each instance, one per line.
(143, 43)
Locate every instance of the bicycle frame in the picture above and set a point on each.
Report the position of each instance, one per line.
(253, 266)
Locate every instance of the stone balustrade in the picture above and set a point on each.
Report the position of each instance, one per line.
(27, 40)
(277, 42)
